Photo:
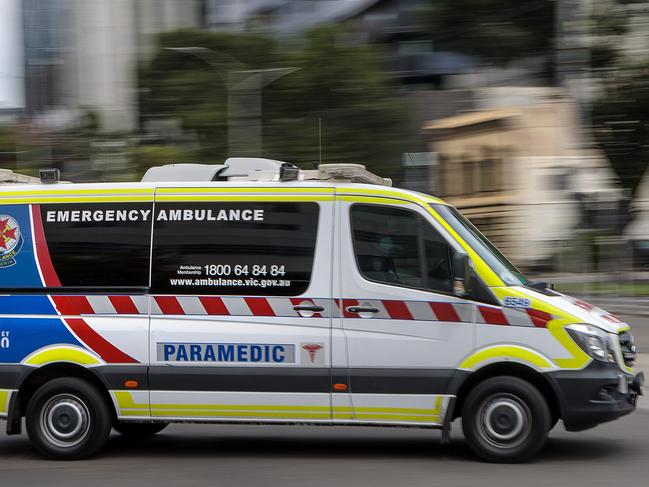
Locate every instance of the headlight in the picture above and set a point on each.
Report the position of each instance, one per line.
(592, 340)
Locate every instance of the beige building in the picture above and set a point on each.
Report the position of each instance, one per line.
(515, 170)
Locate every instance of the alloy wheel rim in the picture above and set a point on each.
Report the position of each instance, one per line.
(65, 420)
(504, 421)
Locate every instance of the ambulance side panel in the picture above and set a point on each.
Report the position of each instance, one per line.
(228, 339)
(404, 344)
(73, 276)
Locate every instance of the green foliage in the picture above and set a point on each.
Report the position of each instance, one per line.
(7, 149)
(498, 30)
(146, 156)
(341, 83)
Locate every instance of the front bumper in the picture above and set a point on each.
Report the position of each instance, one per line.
(598, 393)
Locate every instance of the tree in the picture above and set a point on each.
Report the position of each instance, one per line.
(339, 82)
(621, 123)
(501, 31)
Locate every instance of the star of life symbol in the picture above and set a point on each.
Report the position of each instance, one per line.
(312, 352)
(11, 240)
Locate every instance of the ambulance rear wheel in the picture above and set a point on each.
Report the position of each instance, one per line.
(505, 419)
(138, 430)
(68, 419)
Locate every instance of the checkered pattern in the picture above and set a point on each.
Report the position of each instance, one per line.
(450, 312)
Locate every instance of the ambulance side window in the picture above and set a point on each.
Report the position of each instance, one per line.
(398, 247)
(99, 245)
(240, 249)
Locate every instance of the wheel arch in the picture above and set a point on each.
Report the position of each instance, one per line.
(41, 375)
(463, 383)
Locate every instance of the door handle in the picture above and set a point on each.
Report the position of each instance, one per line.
(362, 309)
(315, 309)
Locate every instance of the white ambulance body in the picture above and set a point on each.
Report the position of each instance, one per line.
(254, 292)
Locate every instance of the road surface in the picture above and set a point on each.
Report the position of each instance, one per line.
(196, 455)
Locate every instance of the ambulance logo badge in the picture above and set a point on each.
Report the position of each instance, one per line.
(312, 353)
(11, 240)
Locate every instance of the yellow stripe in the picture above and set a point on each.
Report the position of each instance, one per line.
(76, 199)
(219, 197)
(125, 401)
(426, 418)
(242, 407)
(129, 408)
(243, 414)
(556, 326)
(134, 413)
(390, 193)
(506, 352)
(400, 417)
(4, 401)
(373, 199)
(256, 189)
(79, 192)
(62, 354)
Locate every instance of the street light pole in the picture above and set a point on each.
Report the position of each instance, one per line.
(244, 87)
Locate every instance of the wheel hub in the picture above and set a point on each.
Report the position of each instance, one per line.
(65, 420)
(504, 420)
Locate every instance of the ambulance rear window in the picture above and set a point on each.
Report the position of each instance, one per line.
(99, 245)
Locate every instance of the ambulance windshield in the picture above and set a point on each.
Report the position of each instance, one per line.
(483, 247)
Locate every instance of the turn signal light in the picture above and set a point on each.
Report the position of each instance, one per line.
(340, 387)
(131, 384)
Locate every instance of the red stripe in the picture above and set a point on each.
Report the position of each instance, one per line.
(445, 312)
(583, 304)
(346, 303)
(259, 306)
(124, 305)
(298, 301)
(539, 318)
(612, 318)
(73, 305)
(397, 310)
(213, 305)
(493, 316)
(99, 344)
(42, 252)
(169, 305)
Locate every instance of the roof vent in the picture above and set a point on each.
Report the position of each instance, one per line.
(182, 172)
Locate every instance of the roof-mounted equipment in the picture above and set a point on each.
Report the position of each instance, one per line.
(262, 170)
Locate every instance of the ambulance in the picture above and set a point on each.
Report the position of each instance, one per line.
(256, 292)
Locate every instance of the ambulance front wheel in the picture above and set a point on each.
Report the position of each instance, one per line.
(138, 430)
(68, 419)
(505, 419)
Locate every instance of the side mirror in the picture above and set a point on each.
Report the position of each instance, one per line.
(462, 274)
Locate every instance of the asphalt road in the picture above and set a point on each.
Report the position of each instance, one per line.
(197, 455)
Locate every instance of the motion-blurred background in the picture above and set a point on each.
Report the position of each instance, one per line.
(531, 116)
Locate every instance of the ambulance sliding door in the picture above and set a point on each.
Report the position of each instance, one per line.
(241, 304)
(405, 331)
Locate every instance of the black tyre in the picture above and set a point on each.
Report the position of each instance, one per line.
(68, 419)
(505, 419)
(138, 430)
